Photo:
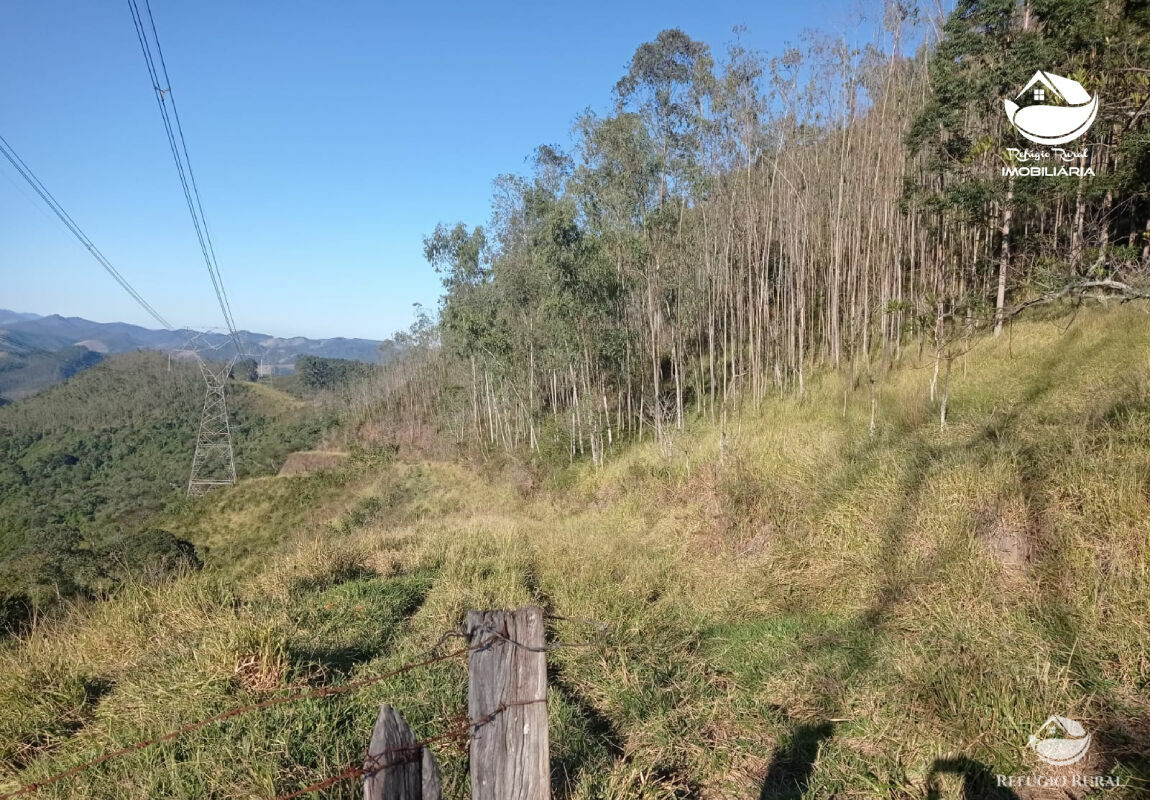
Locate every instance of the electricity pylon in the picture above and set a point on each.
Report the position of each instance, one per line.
(214, 463)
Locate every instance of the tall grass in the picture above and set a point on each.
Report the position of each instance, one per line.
(822, 612)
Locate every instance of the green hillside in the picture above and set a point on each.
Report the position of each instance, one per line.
(23, 374)
(85, 465)
(810, 609)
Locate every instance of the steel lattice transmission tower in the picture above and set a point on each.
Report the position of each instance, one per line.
(214, 463)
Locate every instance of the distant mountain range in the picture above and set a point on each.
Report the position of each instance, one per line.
(7, 316)
(56, 333)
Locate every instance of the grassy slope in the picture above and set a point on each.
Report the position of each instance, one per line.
(824, 613)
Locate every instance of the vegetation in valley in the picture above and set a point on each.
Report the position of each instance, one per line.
(24, 371)
(86, 465)
(330, 373)
(804, 608)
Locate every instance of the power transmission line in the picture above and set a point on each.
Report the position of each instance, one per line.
(179, 149)
(214, 462)
(27, 174)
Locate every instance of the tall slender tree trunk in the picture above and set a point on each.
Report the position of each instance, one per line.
(1004, 257)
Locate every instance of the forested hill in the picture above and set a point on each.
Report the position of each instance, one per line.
(25, 372)
(36, 352)
(739, 220)
(90, 461)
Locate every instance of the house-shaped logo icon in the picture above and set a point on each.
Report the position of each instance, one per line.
(1060, 741)
(1052, 124)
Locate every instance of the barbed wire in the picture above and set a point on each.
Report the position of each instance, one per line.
(309, 692)
(454, 633)
(374, 764)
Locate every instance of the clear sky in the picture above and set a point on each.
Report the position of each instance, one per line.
(327, 139)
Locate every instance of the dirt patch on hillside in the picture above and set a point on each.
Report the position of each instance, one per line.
(1007, 535)
(307, 461)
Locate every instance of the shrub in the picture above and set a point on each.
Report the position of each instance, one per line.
(52, 563)
(154, 552)
(15, 613)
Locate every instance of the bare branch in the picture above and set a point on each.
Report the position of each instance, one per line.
(1122, 291)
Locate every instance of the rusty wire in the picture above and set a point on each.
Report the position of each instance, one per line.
(372, 762)
(552, 646)
(305, 693)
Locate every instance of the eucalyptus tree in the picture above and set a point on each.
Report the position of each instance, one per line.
(468, 315)
(729, 226)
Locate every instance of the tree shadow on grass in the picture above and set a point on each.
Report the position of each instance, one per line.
(1124, 741)
(31, 747)
(598, 742)
(791, 766)
(354, 622)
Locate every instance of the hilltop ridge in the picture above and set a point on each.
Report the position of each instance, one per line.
(55, 331)
(39, 351)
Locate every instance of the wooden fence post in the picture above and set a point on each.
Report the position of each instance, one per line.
(507, 704)
(395, 767)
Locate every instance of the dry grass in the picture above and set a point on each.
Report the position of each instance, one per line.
(823, 614)
(307, 461)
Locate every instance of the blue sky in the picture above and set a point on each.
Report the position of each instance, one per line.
(327, 139)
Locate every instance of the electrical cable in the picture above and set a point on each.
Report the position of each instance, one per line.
(177, 143)
(29, 176)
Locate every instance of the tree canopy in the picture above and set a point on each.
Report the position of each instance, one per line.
(740, 219)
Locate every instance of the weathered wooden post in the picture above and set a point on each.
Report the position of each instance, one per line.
(507, 703)
(432, 790)
(396, 768)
